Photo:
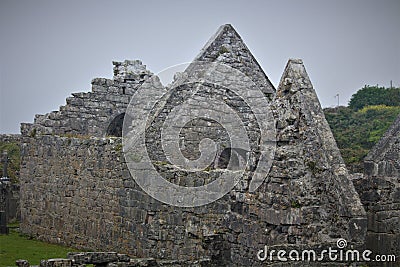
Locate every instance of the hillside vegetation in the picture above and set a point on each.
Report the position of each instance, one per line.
(13, 154)
(358, 127)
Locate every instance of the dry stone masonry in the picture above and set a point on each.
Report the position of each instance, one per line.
(77, 190)
(97, 113)
(379, 191)
(227, 47)
(308, 174)
(110, 259)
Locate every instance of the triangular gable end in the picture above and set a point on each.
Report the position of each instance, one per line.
(227, 47)
(309, 161)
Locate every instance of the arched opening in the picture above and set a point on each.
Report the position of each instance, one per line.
(115, 127)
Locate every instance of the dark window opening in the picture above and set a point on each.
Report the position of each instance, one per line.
(230, 158)
(115, 127)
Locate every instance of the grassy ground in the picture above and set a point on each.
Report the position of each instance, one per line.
(16, 246)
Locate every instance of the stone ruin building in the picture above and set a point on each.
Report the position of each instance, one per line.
(76, 189)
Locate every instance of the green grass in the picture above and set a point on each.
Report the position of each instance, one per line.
(356, 132)
(16, 246)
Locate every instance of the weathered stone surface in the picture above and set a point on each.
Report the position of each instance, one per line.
(56, 263)
(96, 257)
(309, 166)
(384, 160)
(227, 47)
(107, 259)
(91, 113)
(77, 190)
(22, 263)
(123, 258)
(379, 192)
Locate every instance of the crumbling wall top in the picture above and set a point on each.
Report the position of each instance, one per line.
(130, 70)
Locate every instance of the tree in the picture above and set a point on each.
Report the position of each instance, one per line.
(374, 95)
(356, 132)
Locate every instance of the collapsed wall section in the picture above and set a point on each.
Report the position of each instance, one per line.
(91, 113)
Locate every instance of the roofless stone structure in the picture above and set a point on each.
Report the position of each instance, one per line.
(379, 191)
(97, 113)
(76, 188)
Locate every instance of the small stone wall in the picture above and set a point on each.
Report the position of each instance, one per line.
(112, 259)
(10, 138)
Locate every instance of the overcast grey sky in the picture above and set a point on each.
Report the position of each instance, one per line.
(50, 49)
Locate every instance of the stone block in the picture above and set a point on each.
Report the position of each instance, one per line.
(145, 262)
(93, 257)
(56, 263)
(22, 263)
(123, 258)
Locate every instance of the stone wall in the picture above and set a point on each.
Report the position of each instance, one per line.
(112, 259)
(79, 193)
(77, 190)
(227, 47)
(69, 190)
(92, 113)
(10, 138)
(379, 191)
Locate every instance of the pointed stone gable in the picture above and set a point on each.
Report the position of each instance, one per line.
(227, 47)
(309, 166)
(384, 158)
